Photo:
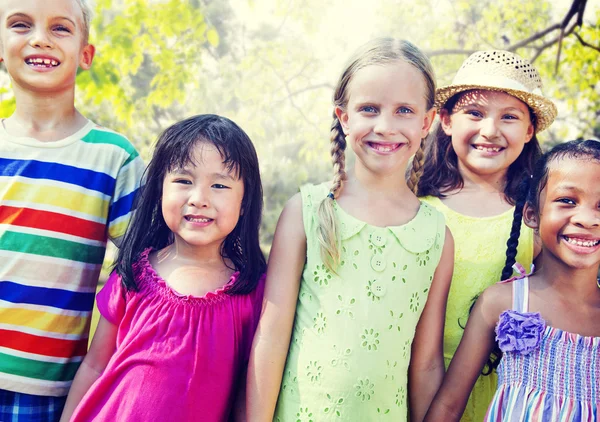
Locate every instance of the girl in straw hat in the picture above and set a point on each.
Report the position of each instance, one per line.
(484, 146)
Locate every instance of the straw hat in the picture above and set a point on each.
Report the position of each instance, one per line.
(498, 70)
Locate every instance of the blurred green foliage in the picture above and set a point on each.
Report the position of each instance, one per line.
(159, 61)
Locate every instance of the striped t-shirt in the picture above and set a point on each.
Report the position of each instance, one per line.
(59, 203)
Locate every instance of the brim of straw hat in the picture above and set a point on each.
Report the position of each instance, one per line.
(545, 111)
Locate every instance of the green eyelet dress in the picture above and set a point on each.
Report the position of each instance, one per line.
(352, 335)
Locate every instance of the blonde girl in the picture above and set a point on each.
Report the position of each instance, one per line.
(484, 147)
(360, 269)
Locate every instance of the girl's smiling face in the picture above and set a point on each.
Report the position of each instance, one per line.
(569, 216)
(489, 130)
(202, 202)
(386, 116)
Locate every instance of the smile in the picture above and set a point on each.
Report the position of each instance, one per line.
(39, 62)
(193, 219)
(487, 149)
(582, 242)
(384, 147)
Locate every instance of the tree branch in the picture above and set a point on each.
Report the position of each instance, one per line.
(585, 44)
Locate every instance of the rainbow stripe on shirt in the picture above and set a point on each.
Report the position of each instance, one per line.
(59, 203)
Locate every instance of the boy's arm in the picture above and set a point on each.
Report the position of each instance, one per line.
(426, 369)
(473, 352)
(272, 338)
(101, 350)
(128, 182)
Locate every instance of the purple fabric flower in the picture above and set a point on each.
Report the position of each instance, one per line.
(519, 332)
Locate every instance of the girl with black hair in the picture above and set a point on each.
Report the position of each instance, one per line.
(179, 311)
(545, 324)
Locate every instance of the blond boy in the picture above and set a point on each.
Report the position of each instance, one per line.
(66, 186)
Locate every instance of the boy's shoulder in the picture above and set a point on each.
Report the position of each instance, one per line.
(98, 134)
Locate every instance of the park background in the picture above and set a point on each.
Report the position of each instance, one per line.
(271, 66)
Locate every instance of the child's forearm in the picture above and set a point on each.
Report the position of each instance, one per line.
(439, 411)
(423, 385)
(265, 372)
(85, 377)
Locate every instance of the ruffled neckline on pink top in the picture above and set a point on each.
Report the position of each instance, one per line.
(151, 279)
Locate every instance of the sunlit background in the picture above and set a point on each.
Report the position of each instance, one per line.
(271, 65)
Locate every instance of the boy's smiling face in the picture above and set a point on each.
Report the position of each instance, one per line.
(43, 43)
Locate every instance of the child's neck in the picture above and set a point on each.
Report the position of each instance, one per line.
(480, 196)
(205, 256)
(574, 285)
(46, 118)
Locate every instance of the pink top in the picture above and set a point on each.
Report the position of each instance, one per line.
(177, 358)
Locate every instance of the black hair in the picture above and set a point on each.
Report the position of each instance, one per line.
(532, 187)
(440, 169)
(530, 191)
(174, 149)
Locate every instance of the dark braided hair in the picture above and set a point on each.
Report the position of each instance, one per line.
(515, 230)
(530, 191)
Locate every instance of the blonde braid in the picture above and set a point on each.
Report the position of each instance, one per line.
(417, 168)
(328, 232)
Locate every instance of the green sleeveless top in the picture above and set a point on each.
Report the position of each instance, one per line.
(352, 335)
(479, 257)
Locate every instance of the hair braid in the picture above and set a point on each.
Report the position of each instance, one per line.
(328, 233)
(417, 168)
(515, 231)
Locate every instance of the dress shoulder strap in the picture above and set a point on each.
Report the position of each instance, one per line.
(520, 288)
(521, 294)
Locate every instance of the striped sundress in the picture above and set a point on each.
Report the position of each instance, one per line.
(546, 374)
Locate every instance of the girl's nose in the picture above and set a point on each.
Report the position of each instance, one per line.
(489, 128)
(587, 217)
(198, 198)
(385, 126)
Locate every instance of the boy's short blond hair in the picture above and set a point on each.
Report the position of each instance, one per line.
(86, 11)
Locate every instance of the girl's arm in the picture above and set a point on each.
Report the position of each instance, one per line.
(472, 354)
(272, 338)
(101, 350)
(426, 368)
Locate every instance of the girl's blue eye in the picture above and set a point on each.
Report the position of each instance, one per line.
(566, 201)
(62, 29)
(219, 186)
(511, 117)
(368, 109)
(404, 110)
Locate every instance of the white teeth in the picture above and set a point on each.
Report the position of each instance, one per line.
(42, 62)
(198, 220)
(580, 242)
(385, 148)
(487, 149)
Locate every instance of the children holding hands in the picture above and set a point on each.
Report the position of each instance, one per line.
(354, 312)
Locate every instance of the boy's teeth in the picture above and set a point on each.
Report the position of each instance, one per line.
(580, 242)
(487, 149)
(45, 62)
